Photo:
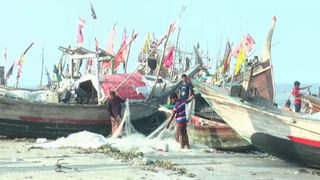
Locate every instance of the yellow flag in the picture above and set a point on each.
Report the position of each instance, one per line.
(240, 59)
(146, 44)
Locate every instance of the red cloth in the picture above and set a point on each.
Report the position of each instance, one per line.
(124, 86)
(168, 59)
(296, 94)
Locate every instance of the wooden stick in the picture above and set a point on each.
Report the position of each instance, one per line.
(126, 65)
(42, 64)
(159, 64)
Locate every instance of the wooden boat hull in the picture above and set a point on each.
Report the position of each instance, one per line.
(265, 126)
(215, 134)
(287, 149)
(20, 118)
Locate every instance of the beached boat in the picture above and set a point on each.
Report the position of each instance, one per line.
(287, 135)
(215, 134)
(257, 78)
(22, 117)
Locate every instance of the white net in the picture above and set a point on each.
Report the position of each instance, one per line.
(125, 128)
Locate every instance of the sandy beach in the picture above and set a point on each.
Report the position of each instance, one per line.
(19, 161)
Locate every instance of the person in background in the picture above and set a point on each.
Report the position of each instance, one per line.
(297, 95)
(287, 106)
(185, 89)
(179, 112)
(319, 92)
(114, 109)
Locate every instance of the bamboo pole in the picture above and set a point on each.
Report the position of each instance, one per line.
(160, 63)
(126, 64)
(175, 55)
(42, 64)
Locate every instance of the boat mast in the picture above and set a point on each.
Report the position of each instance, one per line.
(126, 63)
(175, 55)
(160, 62)
(42, 64)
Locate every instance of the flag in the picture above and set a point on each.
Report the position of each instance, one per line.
(109, 48)
(79, 32)
(146, 44)
(122, 52)
(172, 27)
(10, 71)
(5, 55)
(226, 58)
(93, 13)
(97, 45)
(247, 43)
(168, 59)
(240, 59)
(21, 60)
(274, 19)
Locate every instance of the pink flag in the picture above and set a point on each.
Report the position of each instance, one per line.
(247, 43)
(109, 48)
(79, 32)
(168, 59)
(172, 27)
(274, 19)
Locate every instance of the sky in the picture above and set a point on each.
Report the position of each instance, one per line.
(53, 23)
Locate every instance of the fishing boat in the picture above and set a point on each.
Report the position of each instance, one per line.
(256, 78)
(286, 135)
(20, 117)
(215, 133)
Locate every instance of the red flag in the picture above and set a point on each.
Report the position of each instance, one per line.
(122, 52)
(168, 59)
(226, 58)
(79, 32)
(120, 55)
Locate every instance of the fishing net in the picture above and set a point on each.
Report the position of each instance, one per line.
(125, 128)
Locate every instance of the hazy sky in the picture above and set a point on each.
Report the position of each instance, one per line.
(53, 23)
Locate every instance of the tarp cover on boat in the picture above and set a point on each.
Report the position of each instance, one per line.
(124, 84)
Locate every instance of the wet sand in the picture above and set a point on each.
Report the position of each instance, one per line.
(17, 161)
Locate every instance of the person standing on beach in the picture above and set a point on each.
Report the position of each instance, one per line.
(185, 89)
(297, 95)
(114, 109)
(179, 112)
